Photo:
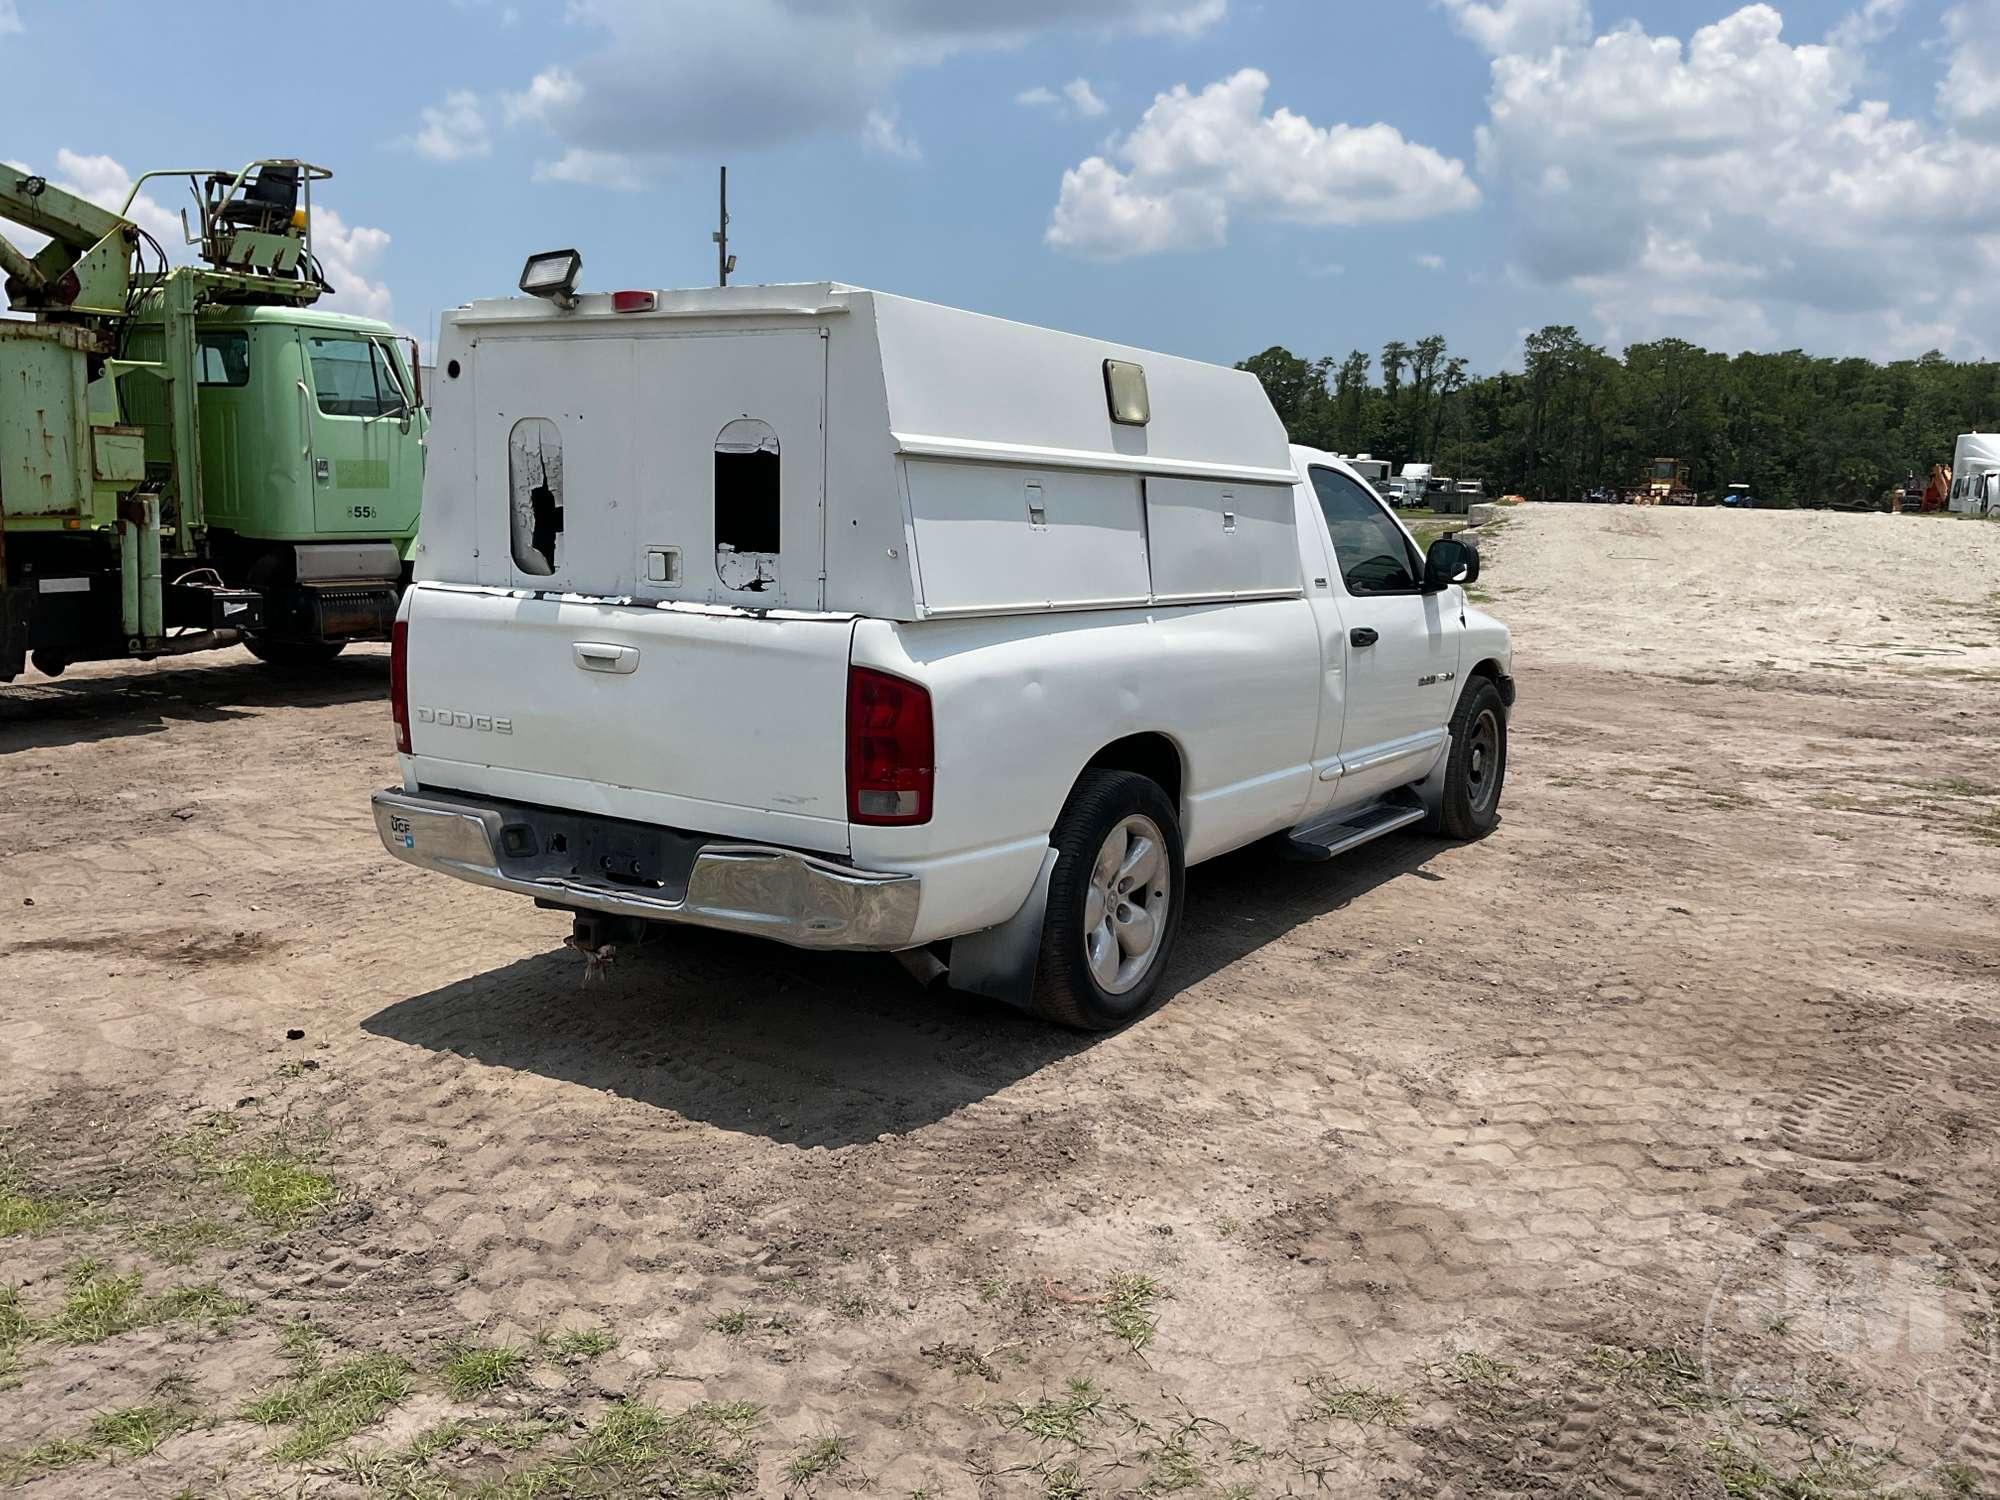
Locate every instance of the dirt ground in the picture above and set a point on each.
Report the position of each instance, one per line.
(1647, 1147)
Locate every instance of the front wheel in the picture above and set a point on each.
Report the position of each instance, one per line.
(1477, 769)
(294, 656)
(1114, 902)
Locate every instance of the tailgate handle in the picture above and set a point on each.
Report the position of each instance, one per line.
(620, 660)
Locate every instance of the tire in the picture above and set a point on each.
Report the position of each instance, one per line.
(1071, 990)
(1477, 771)
(297, 656)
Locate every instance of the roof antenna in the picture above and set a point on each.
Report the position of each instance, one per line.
(724, 261)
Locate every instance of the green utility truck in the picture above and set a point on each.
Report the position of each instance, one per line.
(194, 456)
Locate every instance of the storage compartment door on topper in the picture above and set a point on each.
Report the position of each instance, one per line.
(1226, 540)
(994, 537)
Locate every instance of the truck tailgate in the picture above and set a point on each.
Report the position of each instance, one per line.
(713, 721)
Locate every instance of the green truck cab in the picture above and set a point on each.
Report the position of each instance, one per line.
(196, 456)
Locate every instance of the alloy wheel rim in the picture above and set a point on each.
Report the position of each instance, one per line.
(1126, 909)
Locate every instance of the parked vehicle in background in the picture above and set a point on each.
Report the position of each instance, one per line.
(1975, 489)
(1738, 497)
(856, 622)
(1666, 483)
(192, 456)
(1374, 470)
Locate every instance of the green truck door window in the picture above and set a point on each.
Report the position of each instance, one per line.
(352, 379)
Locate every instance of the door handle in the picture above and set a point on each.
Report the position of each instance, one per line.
(621, 661)
(1361, 635)
(305, 419)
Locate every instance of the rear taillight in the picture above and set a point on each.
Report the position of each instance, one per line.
(399, 682)
(891, 751)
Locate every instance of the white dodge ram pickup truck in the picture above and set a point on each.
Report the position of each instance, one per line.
(857, 622)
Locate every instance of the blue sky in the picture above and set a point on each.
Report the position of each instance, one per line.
(1806, 173)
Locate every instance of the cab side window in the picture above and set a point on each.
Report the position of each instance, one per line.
(1370, 549)
(352, 377)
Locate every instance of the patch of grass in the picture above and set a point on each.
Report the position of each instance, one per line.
(279, 1188)
(300, 1343)
(992, 1289)
(179, 1241)
(24, 1213)
(961, 1359)
(853, 1308)
(326, 1409)
(96, 1306)
(273, 1179)
(1064, 1482)
(436, 1439)
(633, 1449)
(1128, 1308)
(734, 1323)
(474, 1369)
(57, 1453)
(817, 1458)
(1227, 1226)
(202, 1302)
(1328, 1400)
(1172, 1467)
(1669, 1377)
(582, 1343)
(138, 1430)
(516, 1435)
(1059, 1420)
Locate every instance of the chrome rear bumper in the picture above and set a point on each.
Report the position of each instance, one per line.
(782, 894)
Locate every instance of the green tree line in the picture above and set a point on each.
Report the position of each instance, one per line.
(1797, 428)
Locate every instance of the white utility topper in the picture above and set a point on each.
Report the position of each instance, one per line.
(859, 622)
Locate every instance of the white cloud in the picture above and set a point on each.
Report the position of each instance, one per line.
(1083, 98)
(605, 169)
(10, 19)
(1737, 189)
(351, 257)
(656, 82)
(1429, 262)
(1969, 92)
(1503, 27)
(1194, 159)
(1076, 97)
(881, 134)
(454, 130)
(551, 90)
(104, 182)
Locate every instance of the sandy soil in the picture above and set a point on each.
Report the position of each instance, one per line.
(1646, 1148)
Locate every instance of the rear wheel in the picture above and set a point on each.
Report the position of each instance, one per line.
(1478, 766)
(293, 655)
(1114, 903)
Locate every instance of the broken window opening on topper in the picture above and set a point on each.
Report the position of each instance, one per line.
(746, 506)
(535, 486)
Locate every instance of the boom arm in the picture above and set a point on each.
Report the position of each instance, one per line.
(87, 265)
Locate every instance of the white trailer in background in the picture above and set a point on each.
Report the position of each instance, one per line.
(1975, 475)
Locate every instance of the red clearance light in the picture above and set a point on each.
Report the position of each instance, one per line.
(634, 301)
(891, 750)
(399, 682)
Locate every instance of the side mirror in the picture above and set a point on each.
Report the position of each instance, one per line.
(1449, 562)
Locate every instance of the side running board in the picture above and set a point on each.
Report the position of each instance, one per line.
(1328, 840)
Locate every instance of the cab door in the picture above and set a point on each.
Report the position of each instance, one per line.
(1401, 644)
(364, 439)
